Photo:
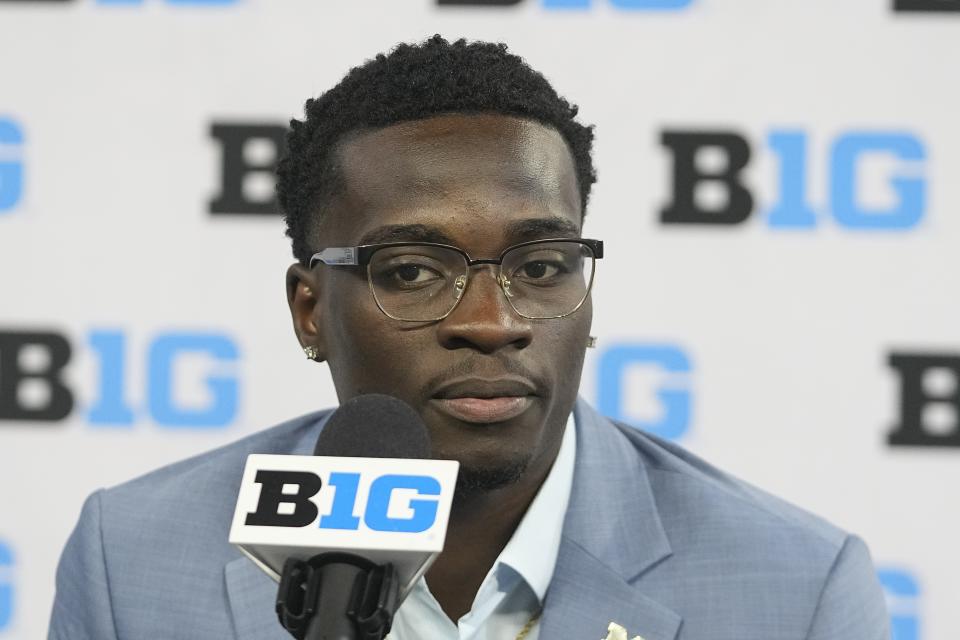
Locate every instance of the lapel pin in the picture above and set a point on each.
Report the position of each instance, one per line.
(616, 632)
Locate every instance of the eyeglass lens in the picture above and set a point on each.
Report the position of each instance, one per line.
(423, 283)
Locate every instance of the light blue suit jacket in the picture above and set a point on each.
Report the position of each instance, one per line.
(654, 539)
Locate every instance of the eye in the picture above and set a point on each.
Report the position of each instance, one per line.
(411, 273)
(538, 269)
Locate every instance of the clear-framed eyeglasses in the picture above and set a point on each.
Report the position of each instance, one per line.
(424, 281)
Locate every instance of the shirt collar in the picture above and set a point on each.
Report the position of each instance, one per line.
(532, 550)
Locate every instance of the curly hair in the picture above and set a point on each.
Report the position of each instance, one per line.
(414, 82)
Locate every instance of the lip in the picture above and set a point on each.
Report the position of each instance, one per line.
(483, 400)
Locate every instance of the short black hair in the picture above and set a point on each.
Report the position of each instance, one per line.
(413, 82)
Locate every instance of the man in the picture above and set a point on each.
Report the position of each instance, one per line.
(459, 180)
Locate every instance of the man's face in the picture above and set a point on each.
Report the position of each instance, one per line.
(494, 388)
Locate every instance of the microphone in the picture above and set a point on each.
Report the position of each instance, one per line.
(374, 426)
(347, 532)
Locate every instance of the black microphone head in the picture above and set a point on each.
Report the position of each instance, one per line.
(374, 426)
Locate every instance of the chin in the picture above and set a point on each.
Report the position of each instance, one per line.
(479, 479)
(491, 456)
(486, 468)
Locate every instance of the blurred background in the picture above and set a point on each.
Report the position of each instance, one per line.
(777, 193)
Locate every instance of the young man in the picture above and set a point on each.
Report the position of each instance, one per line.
(461, 180)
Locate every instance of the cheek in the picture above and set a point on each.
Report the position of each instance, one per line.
(367, 351)
(572, 332)
(566, 346)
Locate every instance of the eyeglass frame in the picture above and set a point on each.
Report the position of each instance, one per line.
(360, 256)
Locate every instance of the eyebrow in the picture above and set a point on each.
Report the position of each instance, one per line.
(536, 228)
(518, 231)
(406, 233)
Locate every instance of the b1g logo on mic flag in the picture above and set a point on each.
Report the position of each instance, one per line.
(386, 509)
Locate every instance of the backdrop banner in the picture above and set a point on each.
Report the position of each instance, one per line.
(778, 294)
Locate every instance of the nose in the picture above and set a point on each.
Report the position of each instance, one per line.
(483, 320)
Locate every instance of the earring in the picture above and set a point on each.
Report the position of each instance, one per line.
(311, 352)
(591, 342)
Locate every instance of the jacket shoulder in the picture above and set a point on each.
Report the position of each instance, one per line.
(690, 481)
(158, 544)
(218, 469)
(745, 554)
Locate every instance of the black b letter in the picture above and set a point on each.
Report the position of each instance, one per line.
(271, 495)
(236, 168)
(59, 402)
(914, 398)
(686, 177)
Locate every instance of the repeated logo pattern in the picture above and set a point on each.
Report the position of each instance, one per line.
(873, 184)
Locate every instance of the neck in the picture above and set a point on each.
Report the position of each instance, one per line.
(480, 527)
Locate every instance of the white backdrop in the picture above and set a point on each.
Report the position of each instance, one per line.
(763, 348)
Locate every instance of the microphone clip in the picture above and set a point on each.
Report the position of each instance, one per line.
(337, 596)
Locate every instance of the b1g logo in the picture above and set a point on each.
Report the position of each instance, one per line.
(635, 5)
(6, 586)
(33, 388)
(929, 400)
(903, 602)
(278, 507)
(249, 153)
(927, 6)
(712, 162)
(11, 164)
(626, 375)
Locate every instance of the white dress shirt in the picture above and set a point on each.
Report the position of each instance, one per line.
(513, 590)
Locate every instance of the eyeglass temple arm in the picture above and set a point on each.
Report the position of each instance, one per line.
(336, 255)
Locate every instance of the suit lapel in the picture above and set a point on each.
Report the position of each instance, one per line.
(585, 596)
(612, 535)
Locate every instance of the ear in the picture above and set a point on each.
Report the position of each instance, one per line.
(303, 296)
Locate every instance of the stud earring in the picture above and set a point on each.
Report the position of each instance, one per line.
(311, 352)
(591, 342)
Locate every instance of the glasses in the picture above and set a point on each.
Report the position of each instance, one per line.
(424, 281)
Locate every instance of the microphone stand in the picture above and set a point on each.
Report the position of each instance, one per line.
(337, 596)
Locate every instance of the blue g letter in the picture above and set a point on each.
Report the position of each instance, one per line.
(378, 504)
(676, 401)
(223, 389)
(910, 190)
